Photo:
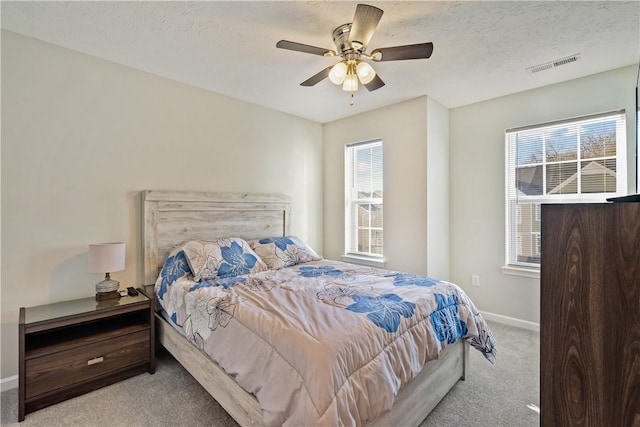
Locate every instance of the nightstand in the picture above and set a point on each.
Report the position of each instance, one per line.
(73, 347)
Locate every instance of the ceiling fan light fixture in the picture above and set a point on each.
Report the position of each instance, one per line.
(365, 72)
(338, 73)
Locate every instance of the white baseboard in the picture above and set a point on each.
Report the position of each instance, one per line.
(511, 321)
(8, 383)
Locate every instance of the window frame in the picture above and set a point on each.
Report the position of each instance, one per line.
(351, 252)
(513, 199)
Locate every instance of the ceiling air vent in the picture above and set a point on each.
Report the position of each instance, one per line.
(554, 63)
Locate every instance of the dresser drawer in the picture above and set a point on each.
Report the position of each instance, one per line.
(54, 371)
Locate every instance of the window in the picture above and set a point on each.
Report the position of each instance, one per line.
(577, 160)
(363, 190)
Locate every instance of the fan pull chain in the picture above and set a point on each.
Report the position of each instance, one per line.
(351, 101)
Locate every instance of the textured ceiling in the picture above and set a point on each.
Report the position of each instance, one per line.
(481, 48)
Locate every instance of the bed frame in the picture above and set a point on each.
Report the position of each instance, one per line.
(171, 217)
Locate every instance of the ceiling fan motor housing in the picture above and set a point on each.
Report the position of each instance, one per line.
(341, 40)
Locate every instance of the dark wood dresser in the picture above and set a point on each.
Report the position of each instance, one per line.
(590, 315)
(72, 347)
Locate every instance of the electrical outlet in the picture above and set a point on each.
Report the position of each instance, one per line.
(475, 280)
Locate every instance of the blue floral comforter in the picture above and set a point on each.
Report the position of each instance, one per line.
(323, 342)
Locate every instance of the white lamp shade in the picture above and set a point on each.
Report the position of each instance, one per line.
(365, 72)
(338, 73)
(350, 83)
(106, 257)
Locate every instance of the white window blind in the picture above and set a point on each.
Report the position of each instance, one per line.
(569, 161)
(364, 195)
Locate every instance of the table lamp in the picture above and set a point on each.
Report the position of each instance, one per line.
(106, 258)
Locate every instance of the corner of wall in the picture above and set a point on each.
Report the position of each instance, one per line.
(438, 191)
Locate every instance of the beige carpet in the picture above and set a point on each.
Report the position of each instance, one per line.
(493, 395)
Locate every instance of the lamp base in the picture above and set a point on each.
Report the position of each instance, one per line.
(107, 289)
(107, 285)
(101, 296)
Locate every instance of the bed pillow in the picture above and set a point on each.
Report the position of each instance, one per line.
(279, 252)
(222, 258)
(175, 267)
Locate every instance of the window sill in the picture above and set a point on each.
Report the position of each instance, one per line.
(533, 273)
(371, 262)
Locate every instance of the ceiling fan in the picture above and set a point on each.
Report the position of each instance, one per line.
(351, 42)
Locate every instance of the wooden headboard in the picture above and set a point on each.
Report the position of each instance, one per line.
(173, 217)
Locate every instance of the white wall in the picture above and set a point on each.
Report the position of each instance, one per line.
(81, 137)
(408, 154)
(477, 179)
(437, 190)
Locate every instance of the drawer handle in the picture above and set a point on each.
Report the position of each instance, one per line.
(95, 360)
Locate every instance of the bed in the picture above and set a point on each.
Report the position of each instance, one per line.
(173, 217)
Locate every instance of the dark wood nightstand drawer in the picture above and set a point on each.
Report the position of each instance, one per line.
(69, 348)
(72, 366)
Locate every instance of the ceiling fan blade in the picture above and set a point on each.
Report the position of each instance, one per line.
(410, 51)
(317, 78)
(364, 24)
(299, 47)
(374, 84)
